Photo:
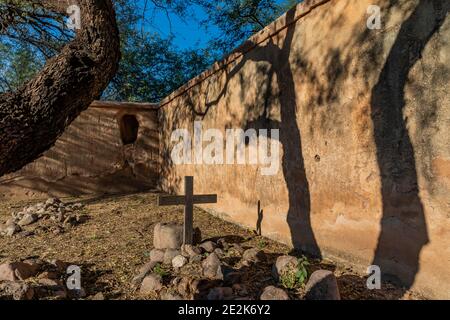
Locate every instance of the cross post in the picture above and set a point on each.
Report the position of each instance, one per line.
(188, 200)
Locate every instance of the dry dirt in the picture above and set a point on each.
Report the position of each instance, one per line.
(117, 240)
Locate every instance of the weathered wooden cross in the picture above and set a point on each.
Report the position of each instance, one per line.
(188, 200)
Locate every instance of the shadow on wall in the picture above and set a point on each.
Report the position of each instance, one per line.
(403, 212)
(298, 215)
(403, 227)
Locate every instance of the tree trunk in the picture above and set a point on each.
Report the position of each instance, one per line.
(33, 117)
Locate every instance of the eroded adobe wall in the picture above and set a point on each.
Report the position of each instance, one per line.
(91, 157)
(364, 119)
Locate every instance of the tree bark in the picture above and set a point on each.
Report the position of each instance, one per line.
(33, 117)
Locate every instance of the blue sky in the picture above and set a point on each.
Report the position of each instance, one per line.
(187, 34)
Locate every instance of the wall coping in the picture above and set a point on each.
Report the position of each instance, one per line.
(301, 10)
(124, 105)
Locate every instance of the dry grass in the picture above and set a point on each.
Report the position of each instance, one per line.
(117, 239)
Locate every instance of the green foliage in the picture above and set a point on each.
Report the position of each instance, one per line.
(159, 269)
(17, 65)
(151, 66)
(295, 277)
(302, 273)
(261, 243)
(239, 19)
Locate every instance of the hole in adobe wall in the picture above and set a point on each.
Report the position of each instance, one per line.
(129, 127)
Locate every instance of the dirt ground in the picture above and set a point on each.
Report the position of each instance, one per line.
(117, 240)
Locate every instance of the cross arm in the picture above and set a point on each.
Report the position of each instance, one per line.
(181, 200)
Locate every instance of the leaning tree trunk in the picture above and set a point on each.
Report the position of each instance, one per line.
(33, 117)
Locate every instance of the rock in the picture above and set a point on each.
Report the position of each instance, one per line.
(322, 285)
(27, 219)
(201, 287)
(49, 282)
(224, 244)
(157, 255)
(61, 266)
(81, 293)
(183, 286)
(81, 218)
(220, 293)
(30, 210)
(70, 221)
(188, 250)
(238, 248)
(13, 271)
(10, 222)
(151, 284)
(240, 289)
(98, 297)
(169, 296)
(253, 255)
(52, 202)
(60, 217)
(58, 230)
(31, 267)
(77, 206)
(169, 255)
(232, 277)
(212, 267)
(167, 236)
(284, 264)
(39, 205)
(195, 259)
(12, 230)
(60, 293)
(26, 234)
(179, 262)
(16, 290)
(219, 252)
(48, 275)
(142, 272)
(208, 246)
(274, 293)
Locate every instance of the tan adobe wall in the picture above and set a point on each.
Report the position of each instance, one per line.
(90, 157)
(364, 135)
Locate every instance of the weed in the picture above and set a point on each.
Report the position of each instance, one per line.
(295, 277)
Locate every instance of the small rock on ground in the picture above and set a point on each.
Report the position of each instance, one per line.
(151, 284)
(274, 293)
(322, 285)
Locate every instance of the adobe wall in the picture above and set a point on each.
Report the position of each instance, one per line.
(91, 158)
(364, 119)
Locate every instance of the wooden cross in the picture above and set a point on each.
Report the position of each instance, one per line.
(188, 200)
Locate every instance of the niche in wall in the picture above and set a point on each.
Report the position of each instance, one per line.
(129, 128)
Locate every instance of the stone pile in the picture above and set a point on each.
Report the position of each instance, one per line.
(35, 279)
(185, 272)
(53, 215)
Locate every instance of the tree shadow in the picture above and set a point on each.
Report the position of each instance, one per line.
(298, 217)
(299, 210)
(403, 211)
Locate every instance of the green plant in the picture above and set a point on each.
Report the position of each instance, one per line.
(159, 269)
(295, 277)
(288, 279)
(302, 273)
(261, 243)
